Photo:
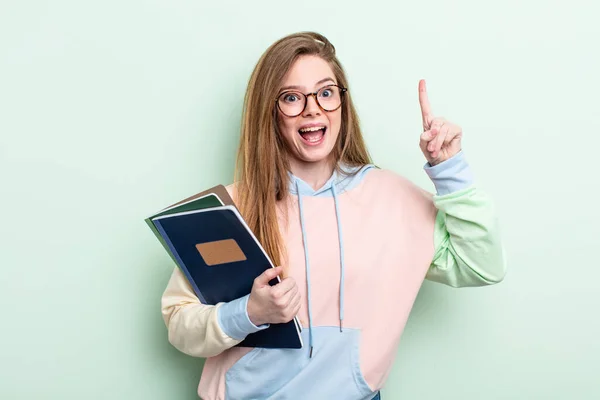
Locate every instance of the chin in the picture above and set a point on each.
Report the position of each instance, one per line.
(314, 156)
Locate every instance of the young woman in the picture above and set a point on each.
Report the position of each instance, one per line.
(353, 242)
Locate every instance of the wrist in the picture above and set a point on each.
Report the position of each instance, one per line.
(234, 320)
(253, 312)
(451, 175)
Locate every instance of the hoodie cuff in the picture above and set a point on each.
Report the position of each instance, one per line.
(234, 320)
(450, 176)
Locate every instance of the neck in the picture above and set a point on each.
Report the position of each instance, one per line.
(313, 173)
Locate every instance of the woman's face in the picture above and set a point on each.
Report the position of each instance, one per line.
(311, 135)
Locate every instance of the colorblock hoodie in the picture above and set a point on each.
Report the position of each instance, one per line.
(359, 249)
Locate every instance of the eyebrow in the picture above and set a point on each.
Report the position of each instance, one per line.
(300, 87)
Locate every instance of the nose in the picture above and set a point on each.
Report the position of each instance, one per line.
(312, 107)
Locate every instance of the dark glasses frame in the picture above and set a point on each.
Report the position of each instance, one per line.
(342, 89)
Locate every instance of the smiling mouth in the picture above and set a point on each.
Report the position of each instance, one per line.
(312, 135)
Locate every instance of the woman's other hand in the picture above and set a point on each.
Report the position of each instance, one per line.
(273, 304)
(440, 139)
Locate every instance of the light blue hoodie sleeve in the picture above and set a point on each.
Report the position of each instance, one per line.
(468, 245)
(234, 320)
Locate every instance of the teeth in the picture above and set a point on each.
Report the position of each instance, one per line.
(313, 129)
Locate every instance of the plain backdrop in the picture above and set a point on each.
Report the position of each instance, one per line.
(112, 110)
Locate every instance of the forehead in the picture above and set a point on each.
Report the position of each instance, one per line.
(307, 71)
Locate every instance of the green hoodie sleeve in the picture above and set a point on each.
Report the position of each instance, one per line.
(468, 244)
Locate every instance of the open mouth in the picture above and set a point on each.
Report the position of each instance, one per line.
(313, 135)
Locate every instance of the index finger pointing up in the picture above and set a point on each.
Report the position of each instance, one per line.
(424, 102)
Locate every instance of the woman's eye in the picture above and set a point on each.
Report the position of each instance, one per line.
(326, 93)
(290, 98)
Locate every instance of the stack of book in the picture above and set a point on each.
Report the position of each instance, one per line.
(208, 239)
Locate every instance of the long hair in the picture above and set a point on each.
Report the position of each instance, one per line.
(261, 176)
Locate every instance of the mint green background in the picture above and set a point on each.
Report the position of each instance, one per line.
(107, 114)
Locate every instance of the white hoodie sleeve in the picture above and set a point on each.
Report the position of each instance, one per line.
(202, 330)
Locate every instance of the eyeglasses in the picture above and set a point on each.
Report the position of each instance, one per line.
(293, 103)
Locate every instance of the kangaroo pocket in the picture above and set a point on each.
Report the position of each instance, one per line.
(332, 372)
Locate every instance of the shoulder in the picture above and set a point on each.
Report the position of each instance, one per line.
(393, 190)
(392, 183)
(232, 190)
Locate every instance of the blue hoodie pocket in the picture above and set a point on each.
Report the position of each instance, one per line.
(333, 371)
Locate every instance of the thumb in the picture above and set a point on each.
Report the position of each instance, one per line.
(264, 278)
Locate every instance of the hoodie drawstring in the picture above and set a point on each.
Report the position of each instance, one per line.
(307, 270)
(307, 263)
(341, 243)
